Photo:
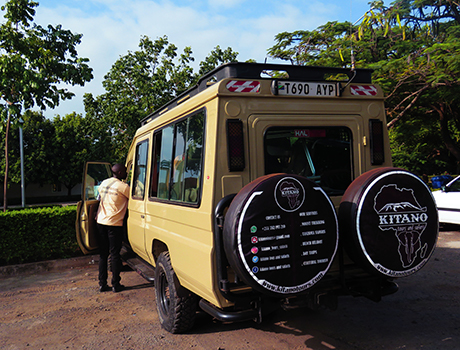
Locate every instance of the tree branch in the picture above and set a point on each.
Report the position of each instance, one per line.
(400, 115)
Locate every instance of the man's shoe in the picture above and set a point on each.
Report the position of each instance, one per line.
(118, 288)
(104, 288)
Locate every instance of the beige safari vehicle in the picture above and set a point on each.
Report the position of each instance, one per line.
(268, 186)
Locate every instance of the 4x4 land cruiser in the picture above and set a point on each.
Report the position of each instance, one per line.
(249, 192)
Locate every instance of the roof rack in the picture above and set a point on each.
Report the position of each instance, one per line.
(245, 70)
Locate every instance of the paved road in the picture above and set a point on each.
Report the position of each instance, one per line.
(63, 310)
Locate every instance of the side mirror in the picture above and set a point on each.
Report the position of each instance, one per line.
(444, 188)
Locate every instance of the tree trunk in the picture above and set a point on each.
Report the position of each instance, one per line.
(5, 182)
(69, 189)
(445, 134)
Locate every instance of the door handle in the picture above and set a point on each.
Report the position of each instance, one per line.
(142, 216)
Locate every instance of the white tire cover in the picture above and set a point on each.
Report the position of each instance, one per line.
(281, 234)
(389, 222)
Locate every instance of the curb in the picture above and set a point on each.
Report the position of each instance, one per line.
(48, 266)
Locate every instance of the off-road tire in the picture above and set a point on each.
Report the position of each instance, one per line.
(176, 305)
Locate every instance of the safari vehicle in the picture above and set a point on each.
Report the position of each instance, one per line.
(268, 186)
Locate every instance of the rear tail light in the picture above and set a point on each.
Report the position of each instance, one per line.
(376, 140)
(235, 145)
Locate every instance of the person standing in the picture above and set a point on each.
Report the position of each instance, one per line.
(113, 196)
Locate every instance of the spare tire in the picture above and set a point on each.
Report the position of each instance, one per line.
(281, 234)
(389, 222)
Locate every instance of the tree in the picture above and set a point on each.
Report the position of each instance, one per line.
(422, 76)
(38, 136)
(137, 84)
(414, 48)
(215, 58)
(33, 61)
(72, 146)
(141, 82)
(55, 150)
(323, 46)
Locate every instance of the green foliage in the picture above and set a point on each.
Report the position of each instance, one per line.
(320, 47)
(38, 135)
(216, 58)
(55, 150)
(31, 235)
(34, 59)
(72, 146)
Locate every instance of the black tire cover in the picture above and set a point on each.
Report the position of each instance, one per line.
(389, 222)
(281, 234)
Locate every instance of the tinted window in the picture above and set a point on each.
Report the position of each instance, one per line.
(165, 161)
(140, 170)
(320, 154)
(177, 160)
(455, 186)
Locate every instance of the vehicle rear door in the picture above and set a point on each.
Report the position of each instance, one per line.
(94, 174)
(324, 149)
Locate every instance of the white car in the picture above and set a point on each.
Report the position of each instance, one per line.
(448, 202)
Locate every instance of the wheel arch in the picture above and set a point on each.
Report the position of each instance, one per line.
(158, 247)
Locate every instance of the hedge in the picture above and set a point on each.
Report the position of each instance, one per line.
(37, 234)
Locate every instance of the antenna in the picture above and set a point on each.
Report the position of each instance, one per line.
(351, 32)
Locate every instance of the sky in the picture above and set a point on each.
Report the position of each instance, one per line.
(111, 28)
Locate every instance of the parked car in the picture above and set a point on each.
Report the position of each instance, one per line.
(448, 202)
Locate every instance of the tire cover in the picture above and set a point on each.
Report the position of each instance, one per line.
(281, 234)
(389, 222)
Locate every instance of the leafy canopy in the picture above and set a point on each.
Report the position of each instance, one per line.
(34, 59)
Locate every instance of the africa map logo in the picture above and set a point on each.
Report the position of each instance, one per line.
(289, 194)
(406, 217)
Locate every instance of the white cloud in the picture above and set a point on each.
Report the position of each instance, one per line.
(112, 28)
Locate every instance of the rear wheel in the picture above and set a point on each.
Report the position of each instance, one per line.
(176, 305)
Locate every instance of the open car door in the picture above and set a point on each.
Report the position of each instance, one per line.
(94, 174)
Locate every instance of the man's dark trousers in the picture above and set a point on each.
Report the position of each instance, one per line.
(110, 239)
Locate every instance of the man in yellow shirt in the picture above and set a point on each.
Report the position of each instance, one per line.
(113, 196)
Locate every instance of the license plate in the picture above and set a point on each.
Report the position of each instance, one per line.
(298, 88)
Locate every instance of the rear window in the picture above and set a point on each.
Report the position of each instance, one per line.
(322, 154)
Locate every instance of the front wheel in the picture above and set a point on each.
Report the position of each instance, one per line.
(176, 305)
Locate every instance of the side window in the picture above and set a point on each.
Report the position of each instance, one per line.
(322, 154)
(193, 158)
(178, 166)
(140, 170)
(177, 160)
(164, 161)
